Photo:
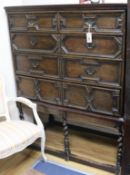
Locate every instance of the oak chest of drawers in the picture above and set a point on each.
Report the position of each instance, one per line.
(75, 82)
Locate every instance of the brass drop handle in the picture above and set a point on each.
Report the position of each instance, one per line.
(96, 79)
(32, 22)
(37, 72)
(90, 70)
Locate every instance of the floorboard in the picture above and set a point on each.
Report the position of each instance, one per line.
(20, 162)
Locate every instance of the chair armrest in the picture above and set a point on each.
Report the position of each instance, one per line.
(30, 104)
(23, 100)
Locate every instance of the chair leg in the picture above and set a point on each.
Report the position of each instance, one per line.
(43, 148)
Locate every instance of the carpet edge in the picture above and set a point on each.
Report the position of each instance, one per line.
(63, 166)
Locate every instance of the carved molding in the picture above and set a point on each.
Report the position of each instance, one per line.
(92, 20)
(66, 136)
(90, 98)
(37, 89)
(32, 22)
(89, 21)
(115, 96)
(55, 21)
(119, 149)
(119, 21)
(11, 22)
(62, 22)
(34, 40)
(18, 80)
(91, 46)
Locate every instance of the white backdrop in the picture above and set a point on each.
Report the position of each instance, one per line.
(6, 68)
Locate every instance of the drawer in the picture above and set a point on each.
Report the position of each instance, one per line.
(90, 122)
(33, 22)
(92, 71)
(43, 43)
(92, 99)
(99, 21)
(39, 89)
(102, 46)
(38, 65)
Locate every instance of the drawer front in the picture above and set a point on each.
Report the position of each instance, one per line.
(92, 71)
(32, 42)
(39, 89)
(92, 99)
(101, 46)
(36, 22)
(99, 21)
(38, 65)
(91, 122)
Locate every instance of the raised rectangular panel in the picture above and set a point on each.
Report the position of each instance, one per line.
(92, 71)
(92, 98)
(98, 21)
(43, 43)
(33, 22)
(101, 46)
(38, 65)
(39, 89)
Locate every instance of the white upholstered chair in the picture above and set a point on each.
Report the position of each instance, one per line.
(16, 135)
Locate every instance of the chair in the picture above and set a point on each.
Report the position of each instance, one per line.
(16, 135)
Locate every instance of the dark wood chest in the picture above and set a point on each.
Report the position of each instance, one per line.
(78, 85)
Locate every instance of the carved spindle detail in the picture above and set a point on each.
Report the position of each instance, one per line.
(119, 151)
(119, 22)
(116, 95)
(37, 89)
(89, 99)
(66, 137)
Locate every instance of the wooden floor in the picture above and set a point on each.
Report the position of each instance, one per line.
(20, 162)
(97, 146)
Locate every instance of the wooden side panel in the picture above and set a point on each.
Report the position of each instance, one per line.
(126, 145)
